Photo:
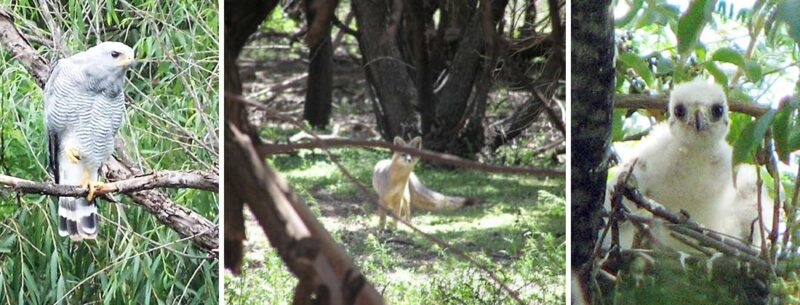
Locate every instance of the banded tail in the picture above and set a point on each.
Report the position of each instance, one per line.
(77, 218)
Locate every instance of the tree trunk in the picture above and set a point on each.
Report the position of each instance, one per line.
(386, 73)
(456, 132)
(319, 89)
(416, 20)
(592, 93)
(242, 19)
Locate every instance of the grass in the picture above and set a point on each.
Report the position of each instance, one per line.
(518, 230)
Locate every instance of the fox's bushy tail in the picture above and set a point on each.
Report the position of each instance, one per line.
(430, 200)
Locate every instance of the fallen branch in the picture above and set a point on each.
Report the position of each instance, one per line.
(173, 179)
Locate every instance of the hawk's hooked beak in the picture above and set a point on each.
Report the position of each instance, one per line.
(125, 61)
(700, 123)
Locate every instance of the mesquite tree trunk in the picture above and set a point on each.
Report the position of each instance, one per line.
(387, 75)
(462, 52)
(319, 89)
(592, 50)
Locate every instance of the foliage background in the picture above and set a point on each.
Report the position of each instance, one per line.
(750, 48)
(171, 123)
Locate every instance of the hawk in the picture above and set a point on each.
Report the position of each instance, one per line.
(686, 165)
(83, 109)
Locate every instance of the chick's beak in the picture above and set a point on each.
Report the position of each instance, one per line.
(700, 122)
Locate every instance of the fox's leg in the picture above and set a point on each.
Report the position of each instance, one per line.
(396, 208)
(382, 214)
(405, 209)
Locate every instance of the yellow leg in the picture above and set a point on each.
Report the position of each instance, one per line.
(91, 185)
(73, 155)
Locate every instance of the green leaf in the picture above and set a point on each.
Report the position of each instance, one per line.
(737, 124)
(616, 124)
(664, 65)
(752, 70)
(729, 55)
(7, 244)
(53, 268)
(738, 94)
(639, 65)
(634, 10)
(787, 12)
(719, 75)
(61, 289)
(794, 141)
(781, 128)
(691, 23)
(751, 138)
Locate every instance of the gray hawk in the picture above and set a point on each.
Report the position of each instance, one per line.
(83, 109)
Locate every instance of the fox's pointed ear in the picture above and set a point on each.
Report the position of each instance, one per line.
(399, 141)
(416, 142)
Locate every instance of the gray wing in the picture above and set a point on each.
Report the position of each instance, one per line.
(52, 132)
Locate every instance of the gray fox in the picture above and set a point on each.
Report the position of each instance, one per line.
(399, 189)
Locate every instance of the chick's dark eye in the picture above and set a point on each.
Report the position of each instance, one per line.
(680, 111)
(115, 54)
(717, 110)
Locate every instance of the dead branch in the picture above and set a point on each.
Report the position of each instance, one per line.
(641, 101)
(163, 179)
(682, 225)
(22, 49)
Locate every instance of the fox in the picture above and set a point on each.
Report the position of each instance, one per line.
(398, 188)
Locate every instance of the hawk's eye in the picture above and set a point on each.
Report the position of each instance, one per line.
(717, 110)
(115, 54)
(680, 111)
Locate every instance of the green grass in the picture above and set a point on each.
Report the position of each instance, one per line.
(171, 118)
(518, 230)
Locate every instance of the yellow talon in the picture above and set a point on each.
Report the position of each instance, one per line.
(73, 155)
(91, 185)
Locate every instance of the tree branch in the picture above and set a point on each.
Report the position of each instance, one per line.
(264, 149)
(641, 101)
(196, 180)
(22, 49)
(204, 233)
